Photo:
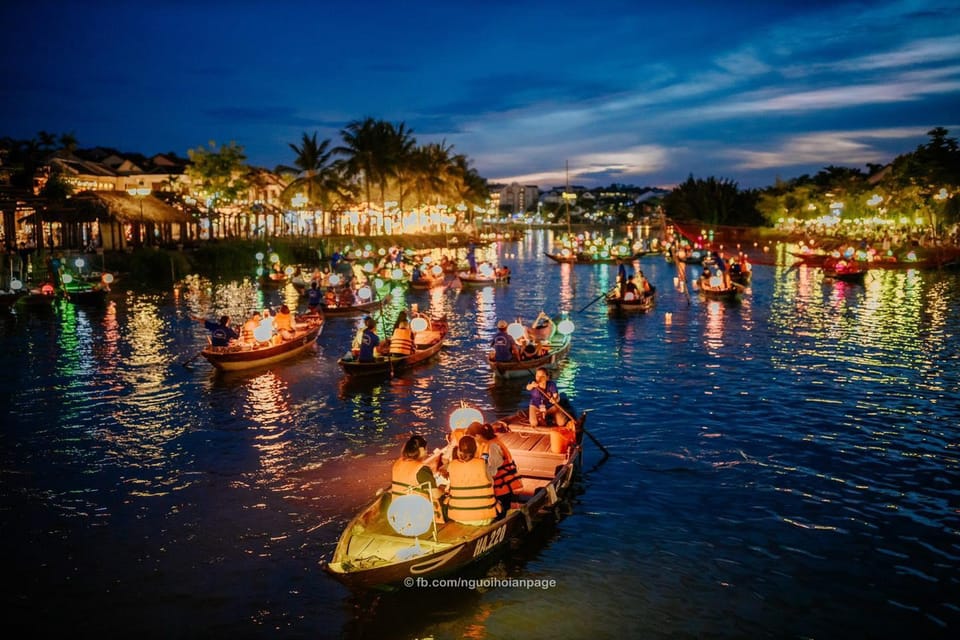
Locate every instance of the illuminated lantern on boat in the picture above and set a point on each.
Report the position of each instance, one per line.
(264, 331)
(410, 515)
(79, 262)
(368, 267)
(516, 330)
(419, 324)
(274, 258)
(358, 253)
(259, 271)
(486, 270)
(15, 285)
(911, 257)
(364, 293)
(67, 278)
(397, 274)
(565, 252)
(464, 417)
(259, 256)
(565, 327)
(378, 283)
(107, 278)
(334, 280)
(436, 270)
(289, 271)
(628, 296)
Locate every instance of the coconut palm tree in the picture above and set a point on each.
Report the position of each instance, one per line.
(318, 176)
(359, 150)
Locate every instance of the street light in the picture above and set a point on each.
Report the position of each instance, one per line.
(140, 192)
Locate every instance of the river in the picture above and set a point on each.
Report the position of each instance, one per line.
(787, 466)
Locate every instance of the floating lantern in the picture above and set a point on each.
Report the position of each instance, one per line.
(565, 327)
(668, 318)
(419, 324)
(464, 417)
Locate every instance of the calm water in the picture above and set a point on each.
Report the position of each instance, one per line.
(785, 467)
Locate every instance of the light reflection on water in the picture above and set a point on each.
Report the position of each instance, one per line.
(786, 465)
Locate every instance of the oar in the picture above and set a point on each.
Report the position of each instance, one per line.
(606, 454)
(195, 356)
(602, 295)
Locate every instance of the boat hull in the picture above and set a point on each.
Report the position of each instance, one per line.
(638, 305)
(352, 310)
(526, 368)
(390, 365)
(240, 359)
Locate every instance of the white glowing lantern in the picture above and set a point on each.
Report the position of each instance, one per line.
(464, 417)
(67, 278)
(364, 292)
(274, 258)
(378, 283)
(259, 256)
(628, 296)
(516, 330)
(368, 267)
(381, 251)
(427, 259)
(107, 277)
(397, 274)
(419, 324)
(436, 270)
(565, 327)
(334, 280)
(358, 253)
(565, 252)
(486, 270)
(263, 332)
(15, 285)
(79, 262)
(259, 271)
(289, 271)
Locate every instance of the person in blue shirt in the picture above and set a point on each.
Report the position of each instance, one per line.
(545, 400)
(504, 346)
(369, 342)
(472, 257)
(221, 333)
(314, 297)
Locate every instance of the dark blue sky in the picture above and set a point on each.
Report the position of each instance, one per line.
(644, 93)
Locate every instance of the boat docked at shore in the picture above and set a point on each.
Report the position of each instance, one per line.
(427, 342)
(536, 351)
(395, 541)
(237, 357)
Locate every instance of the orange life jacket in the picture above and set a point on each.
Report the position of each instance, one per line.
(404, 481)
(507, 479)
(471, 492)
(401, 342)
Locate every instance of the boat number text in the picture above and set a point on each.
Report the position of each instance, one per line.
(489, 541)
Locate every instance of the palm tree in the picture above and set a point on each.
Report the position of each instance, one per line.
(318, 175)
(432, 175)
(359, 151)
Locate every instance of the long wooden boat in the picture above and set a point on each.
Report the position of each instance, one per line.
(424, 283)
(558, 347)
(242, 357)
(639, 303)
(729, 293)
(843, 271)
(478, 280)
(427, 344)
(372, 555)
(350, 310)
(80, 292)
(584, 258)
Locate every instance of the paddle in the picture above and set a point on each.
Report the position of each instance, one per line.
(606, 454)
(185, 363)
(602, 295)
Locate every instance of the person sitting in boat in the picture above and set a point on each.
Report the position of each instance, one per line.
(248, 328)
(314, 297)
(631, 291)
(544, 401)
(221, 333)
(411, 476)
(369, 341)
(284, 324)
(330, 297)
(505, 348)
(643, 284)
(503, 273)
(346, 298)
(471, 498)
(506, 477)
(401, 342)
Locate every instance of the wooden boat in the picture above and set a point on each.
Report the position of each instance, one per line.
(585, 258)
(351, 310)
(372, 555)
(81, 292)
(480, 280)
(639, 303)
(427, 344)
(557, 348)
(834, 269)
(729, 293)
(741, 277)
(242, 357)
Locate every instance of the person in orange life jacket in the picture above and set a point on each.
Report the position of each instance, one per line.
(246, 331)
(411, 475)
(401, 342)
(506, 478)
(544, 400)
(504, 346)
(220, 333)
(471, 499)
(284, 323)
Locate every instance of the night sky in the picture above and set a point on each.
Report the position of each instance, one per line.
(632, 92)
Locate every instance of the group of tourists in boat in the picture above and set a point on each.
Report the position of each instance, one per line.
(517, 350)
(415, 338)
(489, 484)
